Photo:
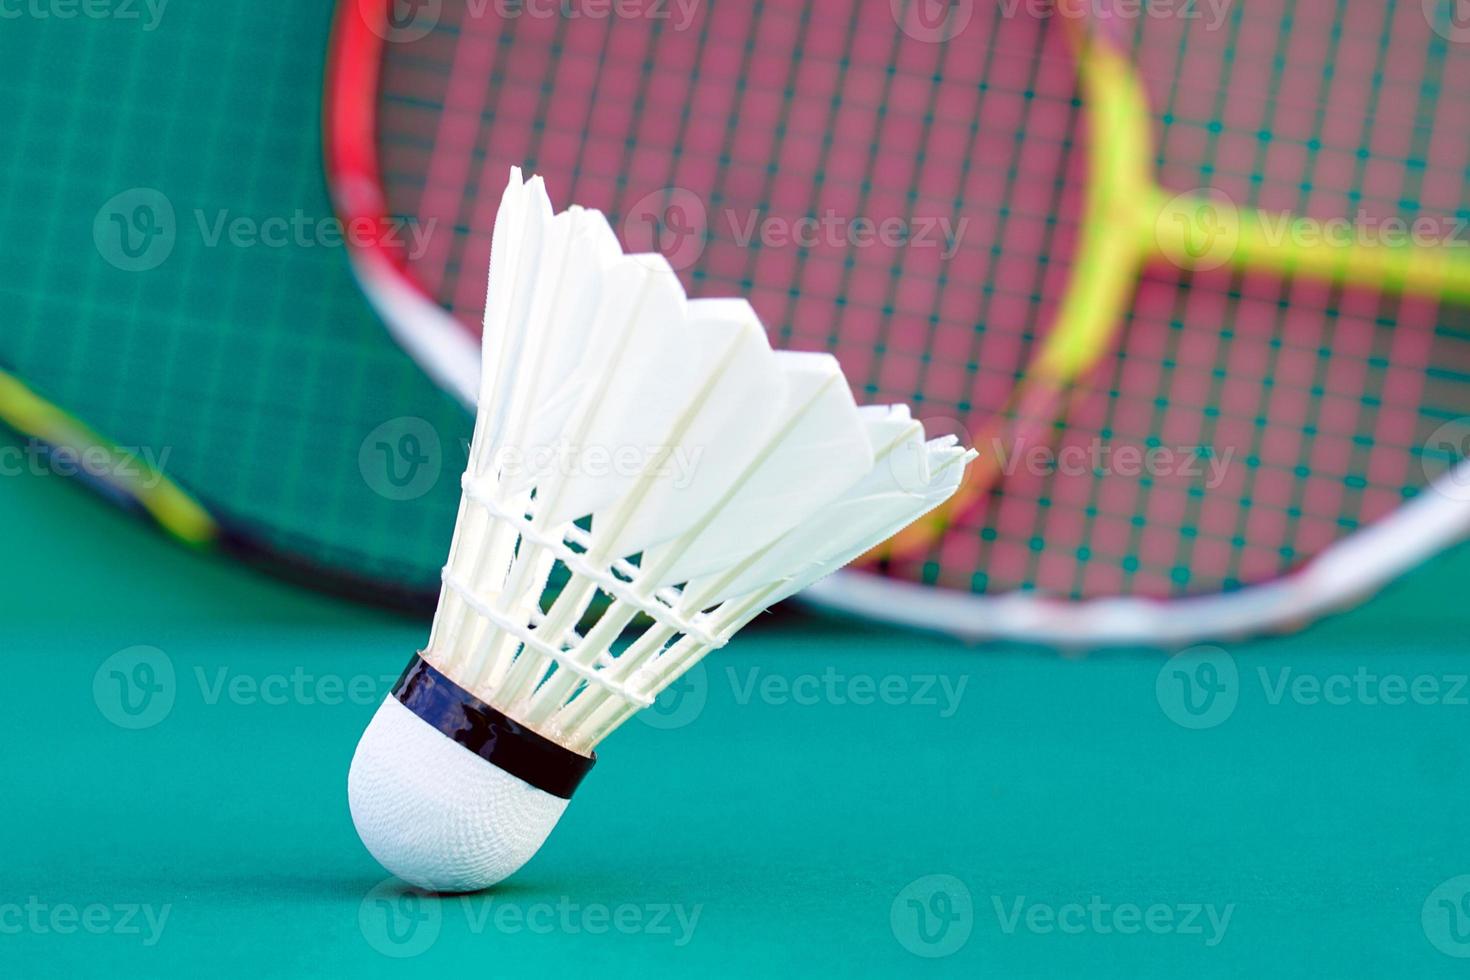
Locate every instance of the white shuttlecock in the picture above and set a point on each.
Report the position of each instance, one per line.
(677, 467)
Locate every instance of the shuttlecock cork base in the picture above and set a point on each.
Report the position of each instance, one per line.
(450, 794)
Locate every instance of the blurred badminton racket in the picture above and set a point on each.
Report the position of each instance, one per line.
(960, 202)
(182, 329)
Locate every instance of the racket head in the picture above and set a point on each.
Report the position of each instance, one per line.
(1237, 425)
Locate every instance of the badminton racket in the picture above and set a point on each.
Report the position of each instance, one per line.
(1106, 248)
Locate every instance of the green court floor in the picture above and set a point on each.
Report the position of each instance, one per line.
(825, 799)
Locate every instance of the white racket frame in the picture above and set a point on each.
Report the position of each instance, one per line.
(1347, 572)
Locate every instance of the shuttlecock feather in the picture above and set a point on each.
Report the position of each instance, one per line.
(676, 467)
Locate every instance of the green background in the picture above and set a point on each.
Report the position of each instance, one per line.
(791, 827)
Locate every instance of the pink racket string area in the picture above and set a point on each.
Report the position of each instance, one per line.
(906, 192)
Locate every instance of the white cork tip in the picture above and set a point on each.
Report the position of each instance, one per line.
(437, 815)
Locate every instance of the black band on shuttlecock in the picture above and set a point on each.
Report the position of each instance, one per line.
(495, 737)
